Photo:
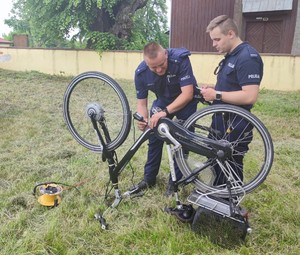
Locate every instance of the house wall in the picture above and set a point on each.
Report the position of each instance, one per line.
(281, 72)
(189, 19)
(296, 42)
(271, 31)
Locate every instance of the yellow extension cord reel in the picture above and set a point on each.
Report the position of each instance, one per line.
(49, 193)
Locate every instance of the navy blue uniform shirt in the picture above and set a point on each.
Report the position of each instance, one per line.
(243, 66)
(167, 87)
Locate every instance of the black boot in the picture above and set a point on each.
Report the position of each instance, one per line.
(142, 185)
(170, 189)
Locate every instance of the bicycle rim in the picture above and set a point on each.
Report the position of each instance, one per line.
(96, 88)
(257, 158)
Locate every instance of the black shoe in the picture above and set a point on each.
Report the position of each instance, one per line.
(142, 185)
(170, 189)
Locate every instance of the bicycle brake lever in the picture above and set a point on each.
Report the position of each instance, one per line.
(138, 116)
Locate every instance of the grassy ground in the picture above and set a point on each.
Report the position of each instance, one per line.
(35, 147)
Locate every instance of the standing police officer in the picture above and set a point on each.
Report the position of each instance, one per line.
(169, 75)
(238, 78)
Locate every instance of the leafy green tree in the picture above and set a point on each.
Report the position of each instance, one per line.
(150, 24)
(95, 24)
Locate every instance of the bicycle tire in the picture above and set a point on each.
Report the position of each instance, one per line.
(257, 160)
(96, 87)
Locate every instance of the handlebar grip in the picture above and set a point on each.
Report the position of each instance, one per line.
(138, 117)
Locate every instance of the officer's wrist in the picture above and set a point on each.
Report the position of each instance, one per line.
(166, 111)
(218, 95)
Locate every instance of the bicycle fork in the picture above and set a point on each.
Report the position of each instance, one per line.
(115, 167)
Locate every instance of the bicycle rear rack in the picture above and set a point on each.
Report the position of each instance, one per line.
(220, 207)
(203, 200)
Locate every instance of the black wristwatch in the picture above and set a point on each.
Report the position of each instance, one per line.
(166, 111)
(218, 95)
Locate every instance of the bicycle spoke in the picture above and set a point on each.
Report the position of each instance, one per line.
(251, 144)
(94, 88)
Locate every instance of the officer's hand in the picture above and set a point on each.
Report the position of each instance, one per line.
(142, 125)
(155, 118)
(208, 93)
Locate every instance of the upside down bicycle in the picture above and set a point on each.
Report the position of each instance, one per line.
(223, 137)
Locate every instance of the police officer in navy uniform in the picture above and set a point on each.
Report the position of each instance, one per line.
(238, 77)
(168, 74)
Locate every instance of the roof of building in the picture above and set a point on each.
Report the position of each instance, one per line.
(266, 5)
(3, 41)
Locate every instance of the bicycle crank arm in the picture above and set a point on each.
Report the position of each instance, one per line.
(163, 130)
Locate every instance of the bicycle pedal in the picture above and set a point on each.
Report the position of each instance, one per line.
(185, 214)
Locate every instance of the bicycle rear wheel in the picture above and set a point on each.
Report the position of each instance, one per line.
(251, 145)
(95, 88)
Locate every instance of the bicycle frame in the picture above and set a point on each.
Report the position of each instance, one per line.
(209, 151)
(172, 133)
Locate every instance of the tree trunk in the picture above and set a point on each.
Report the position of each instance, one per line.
(121, 24)
(124, 13)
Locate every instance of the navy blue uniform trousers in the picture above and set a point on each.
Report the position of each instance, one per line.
(238, 132)
(155, 145)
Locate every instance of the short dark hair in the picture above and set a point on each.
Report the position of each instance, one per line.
(151, 49)
(225, 23)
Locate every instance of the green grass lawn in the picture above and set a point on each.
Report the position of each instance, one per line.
(36, 147)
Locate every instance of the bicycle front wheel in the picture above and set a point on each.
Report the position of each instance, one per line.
(251, 146)
(96, 88)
